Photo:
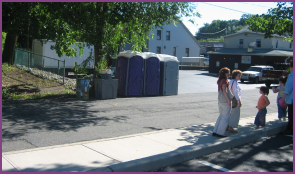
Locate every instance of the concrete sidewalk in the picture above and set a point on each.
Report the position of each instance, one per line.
(136, 153)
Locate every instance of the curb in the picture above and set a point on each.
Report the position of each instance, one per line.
(195, 151)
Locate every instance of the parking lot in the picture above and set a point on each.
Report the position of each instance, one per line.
(198, 81)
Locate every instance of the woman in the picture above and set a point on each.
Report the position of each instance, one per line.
(234, 117)
(224, 108)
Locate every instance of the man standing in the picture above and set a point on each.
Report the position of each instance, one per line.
(288, 98)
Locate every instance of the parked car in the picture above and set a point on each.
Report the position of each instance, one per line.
(272, 76)
(206, 61)
(254, 73)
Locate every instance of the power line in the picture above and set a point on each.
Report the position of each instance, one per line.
(252, 4)
(226, 8)
(214, 33)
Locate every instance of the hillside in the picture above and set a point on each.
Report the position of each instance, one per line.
(20, 84)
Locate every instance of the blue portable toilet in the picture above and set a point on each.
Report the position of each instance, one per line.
(129, 72)
(169, 75)
(135, 76)
(121, 74)
(151, 74)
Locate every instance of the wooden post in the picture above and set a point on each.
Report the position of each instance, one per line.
(29, 60)
(63, 79)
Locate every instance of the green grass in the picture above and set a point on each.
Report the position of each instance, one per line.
(6, 67)
(5, 93)
(16, 84)
(38, 95)
(211, 40)
(3, 39)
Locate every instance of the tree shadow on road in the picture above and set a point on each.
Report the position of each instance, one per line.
(28, 116)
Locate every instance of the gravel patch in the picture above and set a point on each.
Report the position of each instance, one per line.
(70, 83)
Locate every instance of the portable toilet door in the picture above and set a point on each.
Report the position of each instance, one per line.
(152, 76)
(135, 76)
(121, 74)
(169, 78)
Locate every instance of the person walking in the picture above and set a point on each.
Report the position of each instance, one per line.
(288, 98)
(234, 117)
(224, 108)
(282, 110)
(263, 102)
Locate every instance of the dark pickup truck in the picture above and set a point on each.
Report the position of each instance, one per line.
(272, 76)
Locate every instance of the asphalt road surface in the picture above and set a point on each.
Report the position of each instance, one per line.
(39, 123)
(269, 154)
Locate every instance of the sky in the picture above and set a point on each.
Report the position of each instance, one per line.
(225, 11)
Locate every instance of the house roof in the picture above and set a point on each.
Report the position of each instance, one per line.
(244, 51)
(212, 44)
(247, 30)
(191, 34)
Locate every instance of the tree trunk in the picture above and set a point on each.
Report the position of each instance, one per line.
(101, 10)
(9, 45)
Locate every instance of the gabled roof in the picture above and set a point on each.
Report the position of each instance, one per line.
(244, 51)
(247, 30)
(191, 34)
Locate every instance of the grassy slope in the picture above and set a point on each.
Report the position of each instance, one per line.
(19, 84)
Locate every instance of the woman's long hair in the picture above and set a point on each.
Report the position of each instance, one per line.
(222, 73)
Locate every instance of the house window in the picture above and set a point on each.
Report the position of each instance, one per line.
(187, 52)
(277, 44)
(174, 51)
(167, 35)
(158, 50)
(158, 34)
(241, 43)
(258, 43)
(291, 45)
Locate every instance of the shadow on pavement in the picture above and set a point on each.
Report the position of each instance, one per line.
(27, 116)
(208, 74)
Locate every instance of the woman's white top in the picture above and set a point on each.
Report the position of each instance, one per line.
(235, 89)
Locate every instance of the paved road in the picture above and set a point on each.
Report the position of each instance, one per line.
(39, 123)
(197, 81)
(270, 154)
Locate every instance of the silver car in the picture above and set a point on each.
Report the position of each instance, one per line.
(254, 73)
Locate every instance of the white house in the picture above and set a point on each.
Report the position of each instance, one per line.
(50, 56)
(175, 40)
(242, 38)
(247, 48)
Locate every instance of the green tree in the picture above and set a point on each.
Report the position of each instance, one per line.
(217, 29)
(3, 39)
(18, 19)
(106, 25)
(244, 18)
(277, 21)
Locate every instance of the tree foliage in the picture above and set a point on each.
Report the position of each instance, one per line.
(106, 25)
(221, 27)
(277, 21)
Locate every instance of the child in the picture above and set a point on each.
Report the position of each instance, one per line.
(282, 112)
(263, 102)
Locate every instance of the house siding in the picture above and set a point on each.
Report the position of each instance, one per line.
(233, 41)
(268, 43)
(179, 38)
(284, 45)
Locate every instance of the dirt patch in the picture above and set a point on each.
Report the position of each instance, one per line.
(21, 82)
